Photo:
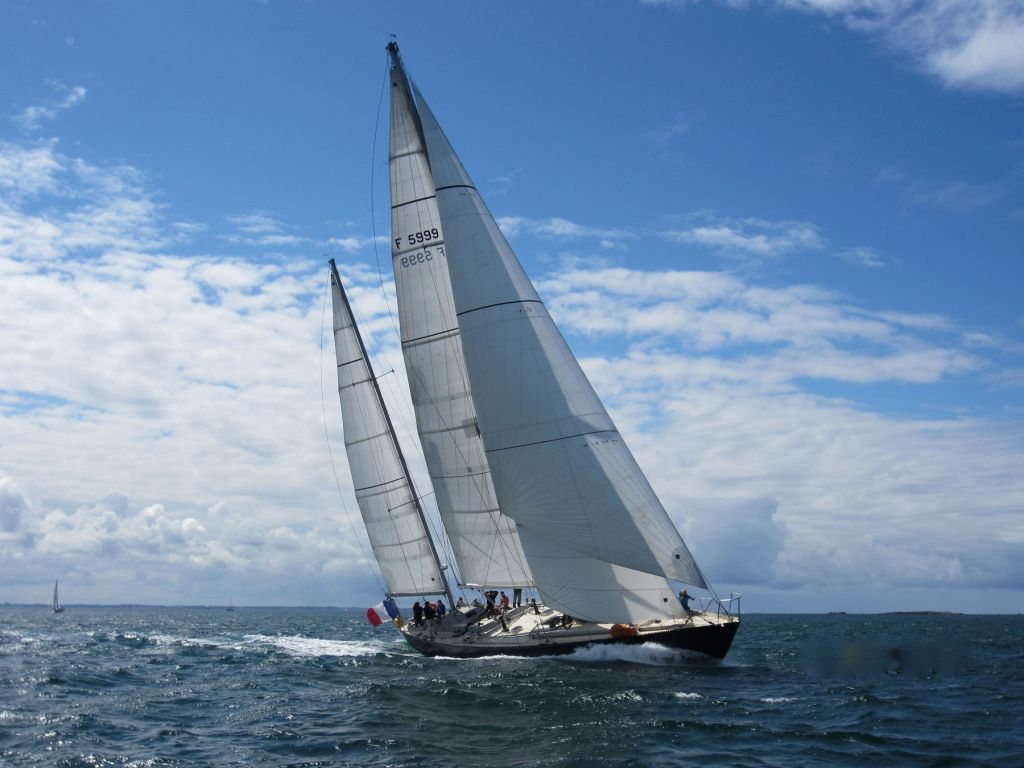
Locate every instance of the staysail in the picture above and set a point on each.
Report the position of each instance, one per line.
(587, 517)
(387, 500)
(485, 544)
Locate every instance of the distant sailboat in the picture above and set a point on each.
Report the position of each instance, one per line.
(535, 487)
(231, 606)
(57, 607)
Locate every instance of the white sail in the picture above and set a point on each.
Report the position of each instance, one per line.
(386, 498)
(484, 542)
(559, 466)
(593, 590)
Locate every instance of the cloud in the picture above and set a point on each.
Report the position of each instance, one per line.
(12, 504)
(28, 170)
(169, 406)
(971, 44)
(862, 256)
(31, 117)
(957, 196)
(162, 413)
(260, 229)
(838, 495)
(110, 208)
(751, 237)
(670, 132)
(738, 541)
(355, 243)
(557, 228)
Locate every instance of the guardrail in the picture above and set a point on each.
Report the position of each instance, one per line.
(730, 605)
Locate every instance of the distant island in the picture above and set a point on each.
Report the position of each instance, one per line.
(903, 613)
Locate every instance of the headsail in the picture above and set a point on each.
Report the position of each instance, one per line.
(484, 542)
(559, 466)
(384, 492)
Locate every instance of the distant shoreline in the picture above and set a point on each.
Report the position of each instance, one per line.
(898, 613)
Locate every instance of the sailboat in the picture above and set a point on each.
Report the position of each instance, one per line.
(535, 488)
(57, 607)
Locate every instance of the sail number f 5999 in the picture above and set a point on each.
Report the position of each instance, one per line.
(421, 256)
(420, 237)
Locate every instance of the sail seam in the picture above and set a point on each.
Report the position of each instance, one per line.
(501, 304)
(419, 339)
(410, 202)
(366, 439)
(378, 485)
(404, 154)
(455, 186)
(552, 440)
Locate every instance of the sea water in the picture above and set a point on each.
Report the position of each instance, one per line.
(150, 686)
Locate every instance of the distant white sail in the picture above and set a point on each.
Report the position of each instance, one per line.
(559, 466)
(57, 607)
(484, 542)
(384, 493)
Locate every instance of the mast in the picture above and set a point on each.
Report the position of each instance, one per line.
(391, 430)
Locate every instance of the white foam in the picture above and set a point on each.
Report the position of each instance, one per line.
(294, 645)
(312, 646)
(687, 696)
(647, 653)
(777, 700)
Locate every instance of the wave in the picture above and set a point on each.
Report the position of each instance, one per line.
(296, 645)
(293, 645)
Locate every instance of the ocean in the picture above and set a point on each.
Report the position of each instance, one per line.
(151, 686)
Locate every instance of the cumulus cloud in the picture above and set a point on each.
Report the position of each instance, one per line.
(557, 228)
(162, 415)
(782, 334)
(260, 229)
(837, 495)
(750, 237)
(11, 505)
(975, 44)
(191, 383)
(862, 256)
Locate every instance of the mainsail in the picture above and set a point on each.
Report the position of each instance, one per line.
(484, 541)
(387, 500)
(597, 539)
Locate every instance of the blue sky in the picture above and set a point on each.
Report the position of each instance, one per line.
(784, 237)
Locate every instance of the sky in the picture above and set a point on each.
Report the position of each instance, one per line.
(783, 237)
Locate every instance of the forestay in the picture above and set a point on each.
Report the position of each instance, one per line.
(484, 542)
(385, 495)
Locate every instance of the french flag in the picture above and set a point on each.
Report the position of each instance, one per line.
(387, 608)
